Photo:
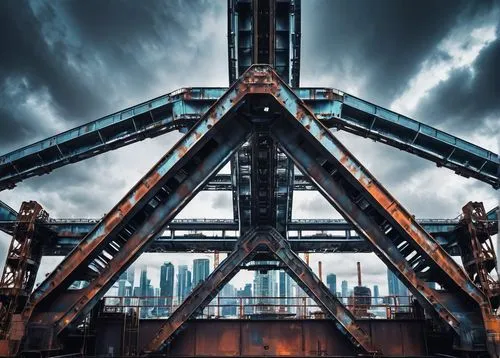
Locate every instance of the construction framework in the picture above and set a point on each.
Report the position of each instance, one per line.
(267, 128)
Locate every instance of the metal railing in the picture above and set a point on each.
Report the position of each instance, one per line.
(276, 307)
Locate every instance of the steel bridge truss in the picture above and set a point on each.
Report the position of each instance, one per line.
(259, 107)
(262, 241)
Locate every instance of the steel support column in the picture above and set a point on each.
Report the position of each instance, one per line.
(21, 266)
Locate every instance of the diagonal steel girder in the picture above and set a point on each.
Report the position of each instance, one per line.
(327, 157)
(136, 220)
(262, 240)
(396, 236)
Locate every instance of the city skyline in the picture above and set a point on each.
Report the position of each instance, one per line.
(273, 283)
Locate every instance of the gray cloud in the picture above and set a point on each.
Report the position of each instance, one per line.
(66, 63)
(469, 100)
(381, 44)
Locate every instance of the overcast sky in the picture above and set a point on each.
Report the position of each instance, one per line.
(69, 62)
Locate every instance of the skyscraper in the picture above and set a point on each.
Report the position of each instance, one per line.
(246, 293)
(166, 287)
(265, 285)
(122, 285)
(397, 288)
(392, 283)
(183, 282)
(143, 283)
(201, 270)
(331, 281)
(285, 289)
(229, 304)
(130, 275)
(375, 294)
(345, 291)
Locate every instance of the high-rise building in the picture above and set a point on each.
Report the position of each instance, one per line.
(183, 282)
(166, 288)
(246, 293)
(265, 285)
(228, 300)
(143, 283)
(345, 290)
(130, 275)
(285, 290)
(144, 291)
(122, 285)
(201, 270)
(331, 281)
(376, 294)
(392, 283)
(397, 288)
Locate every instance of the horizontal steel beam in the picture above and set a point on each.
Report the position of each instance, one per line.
(62, 235)
(319, 243)
(371, 121)
(222, 182)
(181, 108)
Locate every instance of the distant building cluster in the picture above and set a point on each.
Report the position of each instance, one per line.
(272, 290)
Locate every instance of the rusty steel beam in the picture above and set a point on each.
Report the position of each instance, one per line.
(312, 285)
(385, 249)
(205, 291)
(21, 266)
(261, 241)
(127, 229)
(418, 249)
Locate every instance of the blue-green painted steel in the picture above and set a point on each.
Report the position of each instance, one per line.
(182, 108)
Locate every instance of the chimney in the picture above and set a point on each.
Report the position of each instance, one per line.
(359, 274)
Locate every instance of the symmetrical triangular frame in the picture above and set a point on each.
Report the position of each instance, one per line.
(394, 234)
(267, 240)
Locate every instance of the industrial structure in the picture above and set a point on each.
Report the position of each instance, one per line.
(277, 138)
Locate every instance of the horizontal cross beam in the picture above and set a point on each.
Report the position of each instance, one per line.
(181, 108)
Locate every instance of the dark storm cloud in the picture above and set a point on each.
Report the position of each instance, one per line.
(28, 56)
(383, 42)
(68, 62)
(470, 99)
(376, 48)
(88, 55)
(71, 62)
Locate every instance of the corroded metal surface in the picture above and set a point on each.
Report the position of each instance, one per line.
(261, 98)
(247, 247)
(261, 338)
(126, 230)
(21, 266)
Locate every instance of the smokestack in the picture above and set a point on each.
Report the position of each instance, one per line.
(320, 271)
(359, 274)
